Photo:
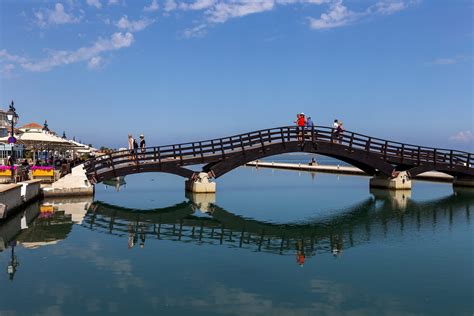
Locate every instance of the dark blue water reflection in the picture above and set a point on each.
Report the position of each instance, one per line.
(268, 243)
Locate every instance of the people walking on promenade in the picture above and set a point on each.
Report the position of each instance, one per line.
(142, 145)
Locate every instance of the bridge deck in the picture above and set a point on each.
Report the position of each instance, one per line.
(373, 155)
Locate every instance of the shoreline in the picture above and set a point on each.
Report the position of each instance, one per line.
(434, 176)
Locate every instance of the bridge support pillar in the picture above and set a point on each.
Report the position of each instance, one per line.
(200, 184)
(463, 182)
(401, 182)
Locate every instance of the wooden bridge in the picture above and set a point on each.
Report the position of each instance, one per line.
(381, 158)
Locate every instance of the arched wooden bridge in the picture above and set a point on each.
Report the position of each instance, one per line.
(373, 155)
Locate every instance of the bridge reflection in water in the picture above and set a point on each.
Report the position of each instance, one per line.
(380, 216)
(384, 215)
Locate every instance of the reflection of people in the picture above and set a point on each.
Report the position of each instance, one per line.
(336, 245)
(142, 237)
(300, 256)
(131, 236)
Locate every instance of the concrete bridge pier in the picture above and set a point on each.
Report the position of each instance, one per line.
(200, 183)
(399, 181)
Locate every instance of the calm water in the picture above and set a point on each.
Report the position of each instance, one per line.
(270, 242)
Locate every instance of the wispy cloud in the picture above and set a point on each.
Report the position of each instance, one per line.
(59, 58)
(113, 2)
(451, 60)
(94, 62)
(56, 16)
(94, 3)
(463, 137)
(133, 26)
(339, 15)
(152, 7)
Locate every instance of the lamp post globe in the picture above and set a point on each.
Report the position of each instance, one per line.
(12, 118)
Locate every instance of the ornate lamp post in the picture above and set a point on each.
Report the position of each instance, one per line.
(12, 118)
(13, 264)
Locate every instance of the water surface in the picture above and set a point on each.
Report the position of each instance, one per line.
(270, 242)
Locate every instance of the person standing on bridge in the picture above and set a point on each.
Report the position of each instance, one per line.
(309, 126)
(300, 123)
(130, 146)
(142, 145)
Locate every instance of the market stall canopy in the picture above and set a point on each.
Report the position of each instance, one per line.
(41, 140)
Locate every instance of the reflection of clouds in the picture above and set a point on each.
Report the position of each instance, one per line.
(334, 298)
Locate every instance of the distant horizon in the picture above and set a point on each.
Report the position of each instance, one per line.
(180, 71)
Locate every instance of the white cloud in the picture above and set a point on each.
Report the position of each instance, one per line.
(95, 62)
(451, 60)
(133, 26)
(197, 5)
(152, 7)
(59, 58)
(338, 15)
(94, 3)
(7, 69)
(112, 2)
(221, 12)
(388, 7)
(463, 137)
(47, 17)
(170, 5)
(6, 57)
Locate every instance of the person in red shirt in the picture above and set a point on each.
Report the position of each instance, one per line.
(300, 122)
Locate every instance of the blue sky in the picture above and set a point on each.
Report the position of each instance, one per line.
(190, 70)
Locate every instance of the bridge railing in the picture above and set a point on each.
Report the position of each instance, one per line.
(388, 150)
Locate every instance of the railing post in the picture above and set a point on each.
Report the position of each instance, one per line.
(180, 153)
(174, 151)
(367, 144)
(200, 150)
(213, 149)
(419, 156)
(242, 144)
(269, 136)
(351, 142)
(289, 138)
(451, 159)
(403, 152)
(261, 140)
(154, 154)
(434, 156)
(222, 149)
(282, 136)
(468, 162)
(112, 164)
(312, 133)
(231, 143)
(194, 150)
(159, 156)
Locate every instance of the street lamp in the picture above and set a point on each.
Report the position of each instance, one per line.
(13, 264)
(12, 117)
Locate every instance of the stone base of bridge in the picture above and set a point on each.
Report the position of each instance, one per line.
(400, 182)
(201, 184)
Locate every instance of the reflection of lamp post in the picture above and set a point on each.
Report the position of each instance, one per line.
(11, 269)
(12, 117)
